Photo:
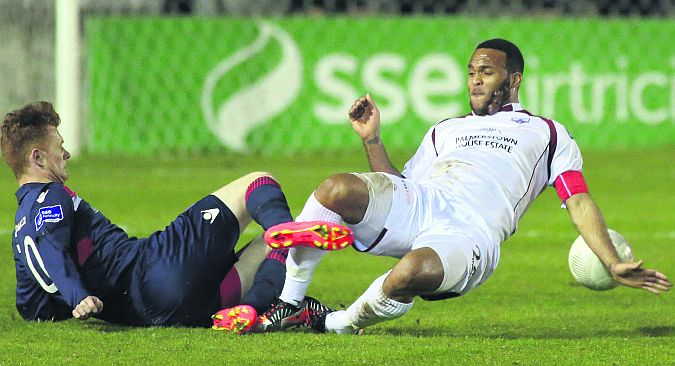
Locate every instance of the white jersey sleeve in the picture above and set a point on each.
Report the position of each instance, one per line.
(567, 155)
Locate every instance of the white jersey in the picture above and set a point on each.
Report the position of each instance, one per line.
(494, 166)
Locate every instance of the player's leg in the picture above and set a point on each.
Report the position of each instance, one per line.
(432, 262)
(300, 266)
(361, 200)
(256, 196)
(340, 197)
(345, 194)
(263, 271)
(240, 278)
(264, 196)
(250, 286)
(197, 249)
(424, 270)
(391, 295)
(387, 298)
(418, 272)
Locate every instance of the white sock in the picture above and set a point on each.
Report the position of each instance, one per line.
(300, 266)
(302, 262)
(371, 308)
(315, 211)
(338, 322)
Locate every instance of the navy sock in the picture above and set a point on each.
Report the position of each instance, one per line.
(268, 281)
(266, 203)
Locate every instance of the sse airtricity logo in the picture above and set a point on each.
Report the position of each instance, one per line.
(263, 99)
(48, 214)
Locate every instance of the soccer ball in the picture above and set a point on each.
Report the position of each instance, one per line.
(587, 268)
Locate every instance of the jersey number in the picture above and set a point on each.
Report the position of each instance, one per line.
(28, 243)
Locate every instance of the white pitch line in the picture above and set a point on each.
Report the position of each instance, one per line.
(668, 235)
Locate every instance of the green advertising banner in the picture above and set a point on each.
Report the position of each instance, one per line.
(284, 85)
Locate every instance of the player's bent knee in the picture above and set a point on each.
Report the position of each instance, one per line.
(418, 272)
(343, 193)
(244, 181)
(334, 189)
(252, 177)
(234, 193)
(399, 281)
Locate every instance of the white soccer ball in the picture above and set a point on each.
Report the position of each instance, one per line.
(587, 268)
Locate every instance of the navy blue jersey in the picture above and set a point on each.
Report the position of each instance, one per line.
(66, 250)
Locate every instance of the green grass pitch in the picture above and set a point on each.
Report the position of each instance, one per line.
(530, 312)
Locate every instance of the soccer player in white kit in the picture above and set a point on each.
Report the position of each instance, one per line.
(455, 201)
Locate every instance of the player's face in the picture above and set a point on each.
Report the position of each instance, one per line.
(488, 81)
(55, 156)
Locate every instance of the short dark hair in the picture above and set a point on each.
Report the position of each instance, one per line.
(514, 59)
(24, 129)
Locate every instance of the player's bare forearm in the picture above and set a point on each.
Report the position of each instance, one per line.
(377, 156)
(590, 224)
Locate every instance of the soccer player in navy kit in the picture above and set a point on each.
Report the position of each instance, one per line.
(71, 261)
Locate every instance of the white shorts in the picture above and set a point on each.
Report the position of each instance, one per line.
(403, 215)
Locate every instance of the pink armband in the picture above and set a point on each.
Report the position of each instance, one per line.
(570, 183)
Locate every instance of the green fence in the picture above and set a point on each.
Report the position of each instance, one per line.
(284, 85)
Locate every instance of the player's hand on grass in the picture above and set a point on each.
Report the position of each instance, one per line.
(632, 274)
(87, 307)
(365, 118)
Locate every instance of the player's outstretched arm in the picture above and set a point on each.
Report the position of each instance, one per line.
(365, 119)
(590, 223)
(89, 306)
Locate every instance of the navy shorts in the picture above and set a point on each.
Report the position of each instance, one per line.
(176, 280)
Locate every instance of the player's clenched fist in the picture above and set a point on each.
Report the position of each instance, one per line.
(365, 118)
(88, 306)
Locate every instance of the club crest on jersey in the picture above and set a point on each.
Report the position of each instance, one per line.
(48, 214)
(520, 121)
